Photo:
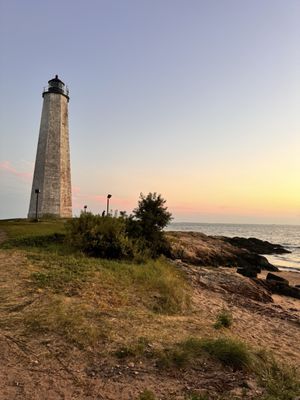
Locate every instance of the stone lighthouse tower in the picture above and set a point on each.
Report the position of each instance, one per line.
(51, 186)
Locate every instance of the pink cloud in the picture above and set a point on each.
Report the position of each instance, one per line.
(7, 167)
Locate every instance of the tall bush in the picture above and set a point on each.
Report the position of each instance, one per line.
(100, 236)
(147, 223)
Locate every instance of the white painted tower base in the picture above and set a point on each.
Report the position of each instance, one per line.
(52, 173)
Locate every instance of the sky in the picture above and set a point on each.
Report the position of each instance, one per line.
(195, 99)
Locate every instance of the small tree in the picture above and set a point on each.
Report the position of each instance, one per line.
(148, 221)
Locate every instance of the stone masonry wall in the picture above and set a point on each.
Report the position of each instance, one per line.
(52, 168)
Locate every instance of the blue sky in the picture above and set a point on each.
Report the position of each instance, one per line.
(197, 100)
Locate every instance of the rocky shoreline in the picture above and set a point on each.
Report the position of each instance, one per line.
(245, 255)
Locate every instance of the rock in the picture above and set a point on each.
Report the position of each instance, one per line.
(273, 277)
(249, 273)
(131, 365)
(222, 280)
(198, 249)
(256, 245)
(283, 288)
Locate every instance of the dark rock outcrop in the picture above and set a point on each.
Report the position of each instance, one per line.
(276, 278)
(255, 245)
(249, 273)
(277, 285)
(198, 249)
(283, 289)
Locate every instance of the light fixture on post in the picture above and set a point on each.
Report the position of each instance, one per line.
(107, 204)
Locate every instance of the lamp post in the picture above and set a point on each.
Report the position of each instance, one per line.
(107, 204)
(37, 192)
(85, 207)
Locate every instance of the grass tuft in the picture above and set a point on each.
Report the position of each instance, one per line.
(229, 351)
(224, 320)
(147, 395)
(281, 382)
(134, 350)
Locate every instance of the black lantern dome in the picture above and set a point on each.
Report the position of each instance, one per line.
(55, 85)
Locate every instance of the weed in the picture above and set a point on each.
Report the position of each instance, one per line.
(224, 319)
(172, 358)
(281, 382)
(195, 396)
(229, 351)
(133, 350)
(146, 395)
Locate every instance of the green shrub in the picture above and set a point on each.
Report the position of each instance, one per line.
(147, 224)
(230, 352)
(224, 319)
(100, 236)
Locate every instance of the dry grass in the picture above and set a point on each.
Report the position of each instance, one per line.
(70, 319)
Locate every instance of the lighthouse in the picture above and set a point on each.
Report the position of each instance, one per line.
(51, 186)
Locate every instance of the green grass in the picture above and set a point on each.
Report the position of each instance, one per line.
(147, 395)
(229, 352)
(158, 285)
(21, 228)
(281, 382)
(138, 349)
(74, 290)
(224, 320)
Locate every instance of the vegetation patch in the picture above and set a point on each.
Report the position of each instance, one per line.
(281, 382)
(228, 351)
(134, 350)
(70, 320)
(147, 395)
(157, 284)
(45, 242)
(224, 320)
(21, 228)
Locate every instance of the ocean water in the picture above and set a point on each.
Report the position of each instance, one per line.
(286, 235)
